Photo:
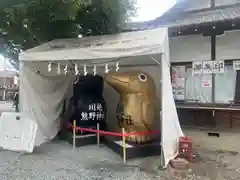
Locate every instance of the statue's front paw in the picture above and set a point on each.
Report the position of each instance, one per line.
(139, 139)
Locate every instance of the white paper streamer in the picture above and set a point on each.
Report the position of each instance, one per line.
(58, 68)
(50, 67)
(66, 69)
(94, 70)
(85, 69)
(106, 68)
(117, 66)
(76, 69)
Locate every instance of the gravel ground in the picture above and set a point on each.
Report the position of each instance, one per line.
(216, 165)
(56, 160)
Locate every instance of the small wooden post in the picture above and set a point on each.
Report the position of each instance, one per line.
(98, 135)
(124, 145)
(74, 134)
(213, 119)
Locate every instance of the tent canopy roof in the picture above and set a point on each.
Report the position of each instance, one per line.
(99, 48)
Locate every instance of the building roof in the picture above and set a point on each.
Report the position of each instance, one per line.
(179, 16)
(206, 17)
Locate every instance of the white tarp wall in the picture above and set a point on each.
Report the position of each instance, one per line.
(41, 99)
(42, 92)
(171, 130)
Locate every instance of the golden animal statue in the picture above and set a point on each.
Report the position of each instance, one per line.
(136, 109)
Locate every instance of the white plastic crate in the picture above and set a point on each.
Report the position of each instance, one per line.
(17, 132)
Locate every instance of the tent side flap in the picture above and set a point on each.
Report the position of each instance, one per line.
(171, 129)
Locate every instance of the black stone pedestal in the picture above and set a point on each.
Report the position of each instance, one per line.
(134, 150)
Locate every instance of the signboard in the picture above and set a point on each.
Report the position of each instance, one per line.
(208, 67)
(178, 71)
(206, 81)
(178, 82)
(219, 66)
(236, 65)
(95, 112)
(197, 67)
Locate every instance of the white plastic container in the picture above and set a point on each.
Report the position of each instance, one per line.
(17, 132)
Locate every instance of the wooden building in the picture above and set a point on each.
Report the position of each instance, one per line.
(204, 30)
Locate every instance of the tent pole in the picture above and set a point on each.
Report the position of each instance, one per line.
(161, 103)
(161, 111)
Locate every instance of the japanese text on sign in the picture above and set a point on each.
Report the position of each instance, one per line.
(236, 65)
(208, 67)
(197, 67)
(94, 107)
(96, 112)
(219, 66)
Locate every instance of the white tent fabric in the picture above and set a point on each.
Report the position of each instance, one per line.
(42, 92)
(171, 130)
(98, 47)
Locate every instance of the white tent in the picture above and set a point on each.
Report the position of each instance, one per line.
(42, 92)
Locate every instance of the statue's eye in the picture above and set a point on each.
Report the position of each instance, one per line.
(142, 77)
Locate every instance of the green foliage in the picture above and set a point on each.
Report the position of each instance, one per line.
(27, 23)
